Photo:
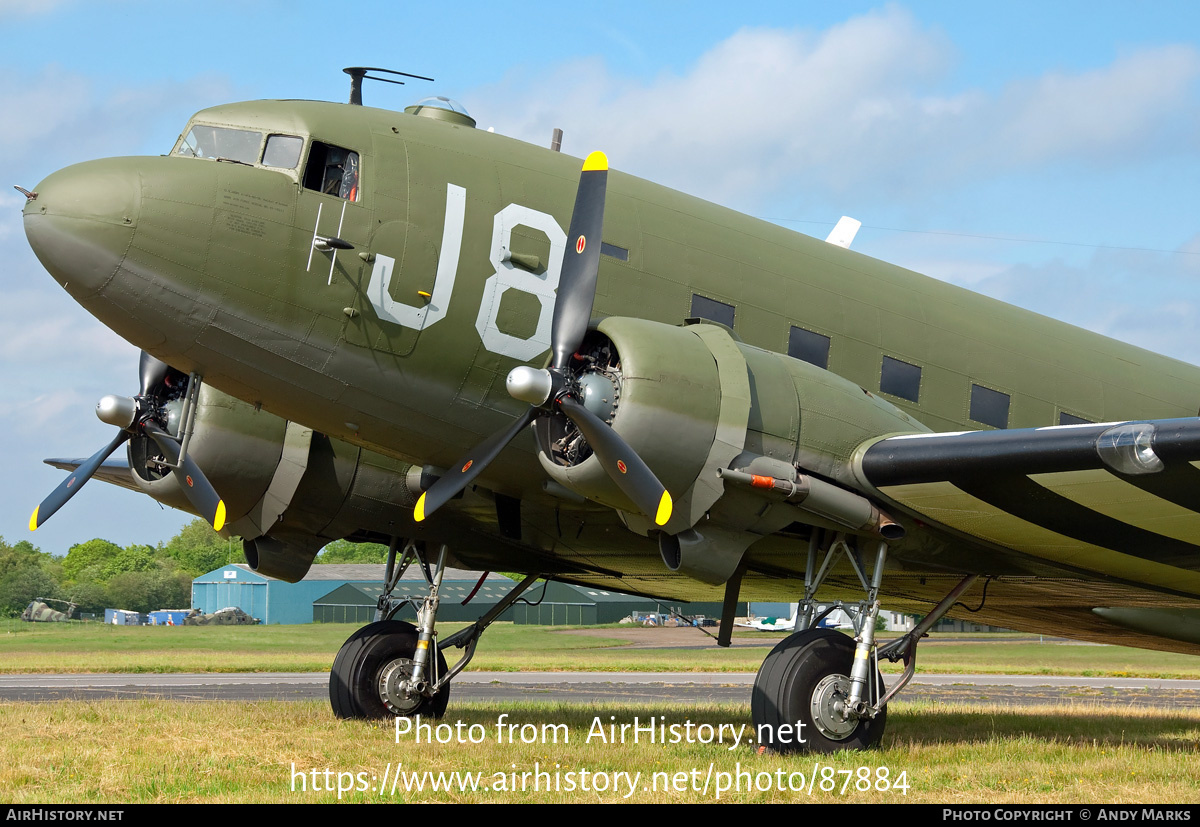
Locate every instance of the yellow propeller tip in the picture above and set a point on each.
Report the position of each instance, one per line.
(664, 509)
(219, 517)
(597, 160)
(33, 523)
(419, 510)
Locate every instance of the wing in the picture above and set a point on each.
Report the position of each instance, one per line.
(1120, 501)
(115, 471)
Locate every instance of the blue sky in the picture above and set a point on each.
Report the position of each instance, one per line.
(1047, 154)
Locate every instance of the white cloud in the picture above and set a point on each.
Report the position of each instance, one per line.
(849, 109)
(30, 333)
(1136, 296)
(55, 118)
(1106, 113)
(29, 8)
(52, 351)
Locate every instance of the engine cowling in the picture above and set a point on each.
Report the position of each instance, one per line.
(288, 490)
(658, 387)
(692, 401)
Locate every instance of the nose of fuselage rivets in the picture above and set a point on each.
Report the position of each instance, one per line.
(82, 221)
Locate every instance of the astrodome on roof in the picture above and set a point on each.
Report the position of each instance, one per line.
(442, 102)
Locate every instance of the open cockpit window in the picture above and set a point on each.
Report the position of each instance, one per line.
(221, 143)
(332, 170)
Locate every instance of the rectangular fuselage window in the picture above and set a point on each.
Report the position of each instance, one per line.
(989, 407)
(900, 379)
(1065, 418)
(332, 170)
(808, 346)
(711, 309)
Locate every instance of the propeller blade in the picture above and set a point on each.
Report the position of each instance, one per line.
(621, 462)
(152, 372)
(470, 467)
(67, 488)
(195, 485)
(581, 262)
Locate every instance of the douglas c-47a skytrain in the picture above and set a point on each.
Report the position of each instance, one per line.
(397, 327)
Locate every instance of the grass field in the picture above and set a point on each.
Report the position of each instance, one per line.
(45, 647)
(163, 751)
(169, 751)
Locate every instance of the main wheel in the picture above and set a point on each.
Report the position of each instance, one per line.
(798, 694)
(368, 669)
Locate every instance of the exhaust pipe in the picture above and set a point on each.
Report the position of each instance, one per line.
(823, 499)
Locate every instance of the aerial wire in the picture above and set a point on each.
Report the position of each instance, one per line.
(1013, 239)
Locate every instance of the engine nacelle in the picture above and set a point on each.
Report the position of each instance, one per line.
(659, 388)
(237, 446)
(288, 491)
(692, 401)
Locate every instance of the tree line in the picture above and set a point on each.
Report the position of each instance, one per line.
(98, 574)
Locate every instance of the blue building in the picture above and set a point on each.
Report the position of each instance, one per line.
(274, 601)
(168, 617)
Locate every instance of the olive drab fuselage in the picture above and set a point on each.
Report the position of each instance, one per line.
(375, 283)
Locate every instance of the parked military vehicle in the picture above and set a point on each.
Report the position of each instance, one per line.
(229, 616)
(39, 612)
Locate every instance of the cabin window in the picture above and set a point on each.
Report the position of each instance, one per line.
(808, 346)
(900, 379)
(1065, 418)
(332, 170)
(711, 309)
(221, 143)
(989, 407)
(283, 151)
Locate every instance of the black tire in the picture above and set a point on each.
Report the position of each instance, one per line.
(796, 670)
(354, 678)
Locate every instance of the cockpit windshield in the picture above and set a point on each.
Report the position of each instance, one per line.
(221, 143)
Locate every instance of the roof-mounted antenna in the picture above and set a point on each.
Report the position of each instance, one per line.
(357, 73)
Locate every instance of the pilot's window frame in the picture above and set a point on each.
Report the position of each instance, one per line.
(809, 346)
(220, 146)
(318, 153)
(713, 310)
(900, 379)
(984, 406)
(294, 165)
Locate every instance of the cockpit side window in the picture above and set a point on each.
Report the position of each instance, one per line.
(332, 170)
(283, 151)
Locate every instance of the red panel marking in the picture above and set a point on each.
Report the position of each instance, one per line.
(70, 482)
(470, 462)
(621, 466)
(580, 244)
(189, 480)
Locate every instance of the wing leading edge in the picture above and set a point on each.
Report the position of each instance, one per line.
(115, 471)
(1117, 499)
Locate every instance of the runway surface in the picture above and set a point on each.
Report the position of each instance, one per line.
(593, 687)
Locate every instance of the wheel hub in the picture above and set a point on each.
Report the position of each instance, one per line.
(828, 705)
(393, 682)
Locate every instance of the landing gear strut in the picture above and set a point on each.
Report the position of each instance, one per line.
(821, 691)
(394, 668)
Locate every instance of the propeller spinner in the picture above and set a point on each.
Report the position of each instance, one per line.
(554, 391)
(139, 416)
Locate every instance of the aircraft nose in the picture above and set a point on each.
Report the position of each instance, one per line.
(82, 220)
